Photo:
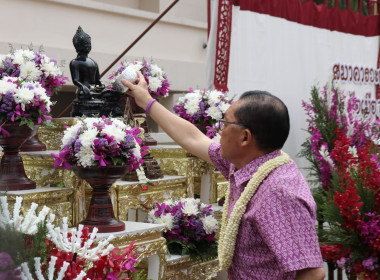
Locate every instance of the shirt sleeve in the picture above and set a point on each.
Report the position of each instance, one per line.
(288, 227)
(221, 164)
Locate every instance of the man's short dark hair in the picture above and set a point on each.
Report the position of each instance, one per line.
(266, 116)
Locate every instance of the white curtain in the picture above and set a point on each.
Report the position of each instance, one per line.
(287, 59)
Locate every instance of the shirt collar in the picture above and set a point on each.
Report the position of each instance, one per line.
(245, 173)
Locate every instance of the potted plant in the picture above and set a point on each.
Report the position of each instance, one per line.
(343, 148)
(32, 66)
(22, 105)
(190, 227)
(100, 151)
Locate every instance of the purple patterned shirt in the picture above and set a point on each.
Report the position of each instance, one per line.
(277, 233)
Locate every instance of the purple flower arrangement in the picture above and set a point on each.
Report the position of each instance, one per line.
(190, 227)
(343, 149)
(328, 110)
(23, 102)
(32, 66)
(100, 142)
(155, 77)
(203, 107)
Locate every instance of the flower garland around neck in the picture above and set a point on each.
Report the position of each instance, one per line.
(230, 227)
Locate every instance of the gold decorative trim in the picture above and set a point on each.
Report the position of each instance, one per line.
(185, 268)
(60, 201)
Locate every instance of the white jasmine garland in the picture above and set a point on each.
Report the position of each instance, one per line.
(141, 175)
(137, 150)
(230, 226)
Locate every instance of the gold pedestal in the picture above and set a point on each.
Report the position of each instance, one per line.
(218, 186)
(183, 268)
(51, 133)
(59, 200)
(129, 195)
(174, 160)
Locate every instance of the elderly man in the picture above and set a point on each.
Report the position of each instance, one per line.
(268, 225)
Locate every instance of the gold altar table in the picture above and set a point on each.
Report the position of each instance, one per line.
(183, 268)
(59, 200)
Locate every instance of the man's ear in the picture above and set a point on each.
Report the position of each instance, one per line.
(247, 137)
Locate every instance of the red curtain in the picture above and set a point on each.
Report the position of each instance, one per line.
(321, 16)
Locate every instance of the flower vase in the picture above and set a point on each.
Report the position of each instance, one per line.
(12, 172)
(139, 113)
(100, 213)
(33, 144)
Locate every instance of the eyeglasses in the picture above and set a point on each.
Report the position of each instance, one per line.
(222, 122)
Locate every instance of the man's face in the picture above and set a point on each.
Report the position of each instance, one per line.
(230, 134)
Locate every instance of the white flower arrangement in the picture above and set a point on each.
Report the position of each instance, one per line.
(190, 227)
(23, 101)
(32, 66)
(155, 77)
(100, 142)
(203, 107)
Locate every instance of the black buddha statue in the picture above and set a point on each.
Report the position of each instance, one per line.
(92, 97)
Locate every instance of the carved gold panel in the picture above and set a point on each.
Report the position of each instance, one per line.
(218, 186)
(186, 269)
(51, 133)
(174, 160)
(59, 200)
(130, 196)
(39, 167)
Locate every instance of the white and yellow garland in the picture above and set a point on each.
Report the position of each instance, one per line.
(230, 227)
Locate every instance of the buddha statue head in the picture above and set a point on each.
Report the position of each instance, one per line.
(82, 42)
